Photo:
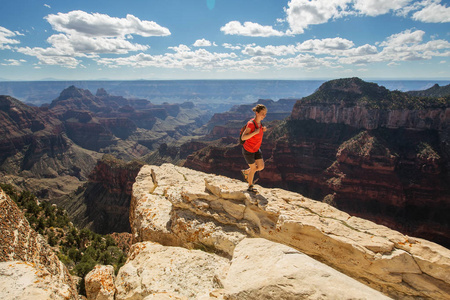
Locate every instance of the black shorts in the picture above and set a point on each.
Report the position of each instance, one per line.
(250, 157)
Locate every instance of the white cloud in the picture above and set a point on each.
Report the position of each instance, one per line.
(183, 58)
(408, 46)
(302, 13)
(13, 62)
(269, 50)
(100, 25)
(433, 13)
(80, 45)
(48, 6)
(405, 37)
(325, 45)
(88, 35)
(250, 29)
(304, 61)
(202, 43)
(443, 62)
(5, 38)
(379, 7)
(50, 56)
(230, 46)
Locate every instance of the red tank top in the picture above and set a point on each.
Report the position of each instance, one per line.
(254, 143)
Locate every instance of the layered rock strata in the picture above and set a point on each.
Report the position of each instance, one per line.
(180, 207)
(29, 269)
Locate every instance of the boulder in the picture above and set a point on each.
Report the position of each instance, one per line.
(99, 283)
(153, 271)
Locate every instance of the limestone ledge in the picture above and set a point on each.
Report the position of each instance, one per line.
(176, 206)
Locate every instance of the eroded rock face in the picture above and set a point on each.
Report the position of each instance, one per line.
(181, 207)
(361, 117)
(27, 263)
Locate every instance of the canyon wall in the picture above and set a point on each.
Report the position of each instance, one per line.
(102, 203)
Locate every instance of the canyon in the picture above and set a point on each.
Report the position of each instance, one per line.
(355, 189)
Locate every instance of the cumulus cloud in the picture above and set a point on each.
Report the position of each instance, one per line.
(249, 29)
(269, 50)
(325, 45)
(202, 43)
(379, 7)
(302, 13)
(50, 56)
(230, 46)
(5, 38)
(101, 25)
(80, 45)
(402, 38)
(433, 13)
(89, 35)
(13, 62)
(182, 58)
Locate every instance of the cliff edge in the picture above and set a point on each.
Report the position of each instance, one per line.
(29, 269)
(176, 206)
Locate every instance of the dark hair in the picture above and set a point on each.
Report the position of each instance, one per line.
(259, 107)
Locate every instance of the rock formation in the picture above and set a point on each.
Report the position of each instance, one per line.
(35, 152)
(176, 206)
(29, 269)
(100, 283)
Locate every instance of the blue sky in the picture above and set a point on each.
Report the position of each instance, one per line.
(224, 39)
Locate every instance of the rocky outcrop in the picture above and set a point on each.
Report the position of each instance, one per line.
(177, 206)
(99, 283)
(29, 269)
